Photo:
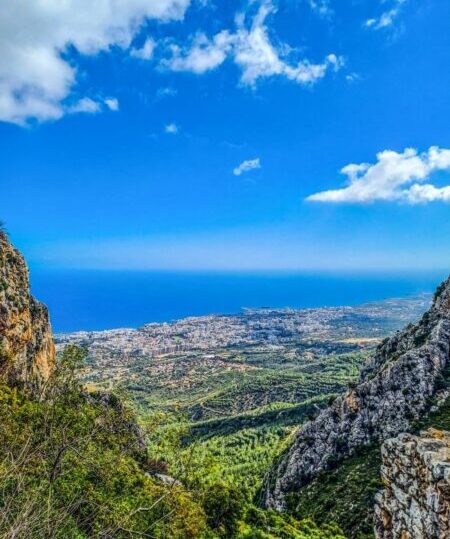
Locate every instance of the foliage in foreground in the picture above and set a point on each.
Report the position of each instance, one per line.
(73, 466)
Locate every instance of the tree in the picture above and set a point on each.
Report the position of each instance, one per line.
(70, 468)
(223, 505)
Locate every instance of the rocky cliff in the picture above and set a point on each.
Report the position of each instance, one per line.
(416, 501)
(27, 352)
(394, 389)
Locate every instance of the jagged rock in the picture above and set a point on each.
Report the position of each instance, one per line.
(394, 389)
(27, 352)
(167, 479)
(416, 500)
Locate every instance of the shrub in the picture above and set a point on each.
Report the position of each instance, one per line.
(69, 469)
(223, 505)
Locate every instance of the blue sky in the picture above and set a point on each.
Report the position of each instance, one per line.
(177, 134)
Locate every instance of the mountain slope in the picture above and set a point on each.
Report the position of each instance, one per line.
(394, 389)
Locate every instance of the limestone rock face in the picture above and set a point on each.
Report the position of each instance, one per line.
(27, 352)
(394, 389)
(416, 501)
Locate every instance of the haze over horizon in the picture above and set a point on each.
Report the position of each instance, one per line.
(208, 135)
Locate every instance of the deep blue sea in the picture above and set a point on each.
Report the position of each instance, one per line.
(95, 300)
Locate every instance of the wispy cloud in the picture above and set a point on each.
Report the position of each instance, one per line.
(202, 55)
(112, 103)
(321, 7)
(388, 17)
(352, 77)
(166, 91)
(87, 105)
(246, 166)
(251, 49)
(91, 106)
(395, 177)
(36, 74)
(171, 129)
(146, 51)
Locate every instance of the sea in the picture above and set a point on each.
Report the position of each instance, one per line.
(97, 300)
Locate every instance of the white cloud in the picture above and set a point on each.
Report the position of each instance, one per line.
(387, 18)
(246, 166)
(251, 48)
(146, 51)
(203, 55)
(85, 105)
(89, 106)
(397, 177)
(112, 103)
(166, 92)
(36, 77)
(352, 77)
(322, 7)
(171, 129)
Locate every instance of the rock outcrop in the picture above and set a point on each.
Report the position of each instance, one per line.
(416, 501)
(27, 352)
(394, 389)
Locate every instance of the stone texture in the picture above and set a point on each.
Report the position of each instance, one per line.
(27, 352)
(394, 388)
(415, 503)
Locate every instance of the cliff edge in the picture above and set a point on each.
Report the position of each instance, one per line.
(415, 503)
(27, 352)
(394, 389)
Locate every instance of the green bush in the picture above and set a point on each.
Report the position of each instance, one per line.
(223, 505)
(72, 466)
(261, 524)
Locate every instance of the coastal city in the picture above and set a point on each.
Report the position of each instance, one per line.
(358, 325)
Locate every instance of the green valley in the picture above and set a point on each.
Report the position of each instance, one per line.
(219, 415)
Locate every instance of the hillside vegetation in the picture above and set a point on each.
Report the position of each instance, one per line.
(75, 465)
(177, 444)
(246, 418)
(216, 418)
(76, 462)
